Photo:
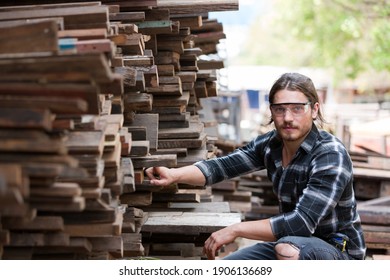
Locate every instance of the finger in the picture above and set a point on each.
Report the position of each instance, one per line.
(209, 250)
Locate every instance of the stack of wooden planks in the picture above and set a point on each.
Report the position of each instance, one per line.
(58, 137)
(91, 95)
(372, 187)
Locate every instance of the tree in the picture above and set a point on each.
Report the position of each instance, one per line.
(348, 36)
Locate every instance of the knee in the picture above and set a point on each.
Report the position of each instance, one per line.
(286, 251)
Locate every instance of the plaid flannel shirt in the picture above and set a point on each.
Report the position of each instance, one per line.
(315, 191)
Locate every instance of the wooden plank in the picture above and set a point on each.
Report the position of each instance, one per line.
(54, 4)
(371, 173)
(90, 142)
(132, 244)
(139, 148)
(57, 190)
(90, 216)
(26, 118)
(38, 239)
(79, 67)
(155, 27)
(28, 141)
(76, 204)
(193, 131)
(111, 244)
(88, 17)
(71, 45)
(171, 101)
(183, 142)
(77, 245)
(150, 121)
(172, 249)
(139, 102)
(188, 223)
(175, 197)
(198, 6)
(30, 37)
(84, 34)
(210, 207)
(126, 28)
(189, 21)
(39, 223)
(168, 57)
(87, 92)
(96, 230)
(136, 199)
(154, 160)
(375, 211)
(127, 16)
(59, 105)
(166, 70)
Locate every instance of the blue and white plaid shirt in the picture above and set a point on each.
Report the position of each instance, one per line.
(315, 191)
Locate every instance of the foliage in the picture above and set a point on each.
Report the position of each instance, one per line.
(348, 36)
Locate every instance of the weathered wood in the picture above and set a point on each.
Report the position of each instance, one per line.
(137, 132)
(198, 6)
(139, 148)
(75, 67)
(96, 230)
(171, 101)
(30, 37)
(76, 204)
(57, 190)
(166, 70)
(127, 28)
(154, 160)
(26, 118)
(168, 57)
(84, 34)
(40, 223)
(172, 249)
(92, 16)
(90, 142)
(183, 142)
(136, 199)
(189, 21)
(111, 244)
(140, 102)
(28, 141)
(188, 223)
(132, 244)
(128, 17)
(89, 93)
(193, 131)
(375, 211)
(176, 197)
(150, 121)
(38, 239)
(155, 27)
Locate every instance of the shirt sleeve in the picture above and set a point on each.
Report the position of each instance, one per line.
(330, 173)
(242, 161)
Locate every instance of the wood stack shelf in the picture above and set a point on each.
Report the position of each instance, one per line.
(92, 93)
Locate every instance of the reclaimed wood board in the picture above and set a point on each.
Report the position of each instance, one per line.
(87, 142)
(150, 121)
(30, 37)
(188, 223)
(183, 143)
(375, 211)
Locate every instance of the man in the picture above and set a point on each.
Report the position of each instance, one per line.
(312, 177)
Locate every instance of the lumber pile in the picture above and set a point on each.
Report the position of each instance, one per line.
(372, 186)
(92, 93)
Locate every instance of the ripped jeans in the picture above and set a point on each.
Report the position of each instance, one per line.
(309, 248)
